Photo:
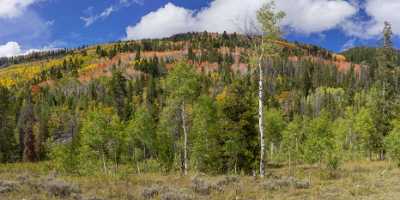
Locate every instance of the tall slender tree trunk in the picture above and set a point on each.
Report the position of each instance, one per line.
(185, 159)
(261, 115)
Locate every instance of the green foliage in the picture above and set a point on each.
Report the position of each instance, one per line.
(206, 151)
(274, 126)
(237, 119)
(140, 134)
(320, 143)
(119, 93)
(101, 141)
(392, 142)
(182, 82)
(365, 129)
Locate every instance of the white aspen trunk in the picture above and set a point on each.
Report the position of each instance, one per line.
(261, 114)
(185, 161)
(290, 163)
(272, 151)
(104, 163)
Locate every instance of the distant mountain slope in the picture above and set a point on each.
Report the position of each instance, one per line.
(208, 51)
(367, 55)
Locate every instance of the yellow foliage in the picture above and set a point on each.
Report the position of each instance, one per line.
(222, 96)
(88, 68)
(339, 58)
(6, 82)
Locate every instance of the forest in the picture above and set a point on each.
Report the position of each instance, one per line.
(207, 103)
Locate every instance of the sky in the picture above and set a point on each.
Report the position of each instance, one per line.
(38, 25)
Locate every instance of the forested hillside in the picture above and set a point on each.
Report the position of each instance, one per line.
(190, 103)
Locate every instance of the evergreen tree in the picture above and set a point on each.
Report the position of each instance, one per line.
(206, 150)
(26, 124)
(7, 142)
(118, 91)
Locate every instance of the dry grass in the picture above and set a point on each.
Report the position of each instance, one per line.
(356, 180)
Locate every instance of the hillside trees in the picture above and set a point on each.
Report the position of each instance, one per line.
(202, 117)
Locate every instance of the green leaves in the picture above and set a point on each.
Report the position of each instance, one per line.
(319, 139)
(392, 142)
(102, 140)
(182, 82)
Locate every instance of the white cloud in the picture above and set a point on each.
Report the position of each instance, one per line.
(14, 8)
(313, 16)
(91, 19)
(166, 21)
(377, 12)
(349, 44)
(10, 49)
(303, 16)
(383, 11)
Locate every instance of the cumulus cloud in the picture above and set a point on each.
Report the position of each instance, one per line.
(303, 16)
(380, 12)
(10, 49)
(376, 12)
(14, 8)
(313, 16)
(166, 21)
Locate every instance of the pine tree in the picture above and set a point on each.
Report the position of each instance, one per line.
(118, 92)
(387, 35)
(7, 139)
(26, 123)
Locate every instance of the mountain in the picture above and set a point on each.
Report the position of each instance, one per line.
(206, 50)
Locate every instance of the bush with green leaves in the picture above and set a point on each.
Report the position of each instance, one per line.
(392, 142)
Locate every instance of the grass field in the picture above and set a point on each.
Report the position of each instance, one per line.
(361, 180)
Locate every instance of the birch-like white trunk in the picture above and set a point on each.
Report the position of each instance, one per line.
(185, 160)
(261, 115)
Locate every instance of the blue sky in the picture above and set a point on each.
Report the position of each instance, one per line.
(28, 25)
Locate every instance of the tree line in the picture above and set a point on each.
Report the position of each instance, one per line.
(183, 119)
